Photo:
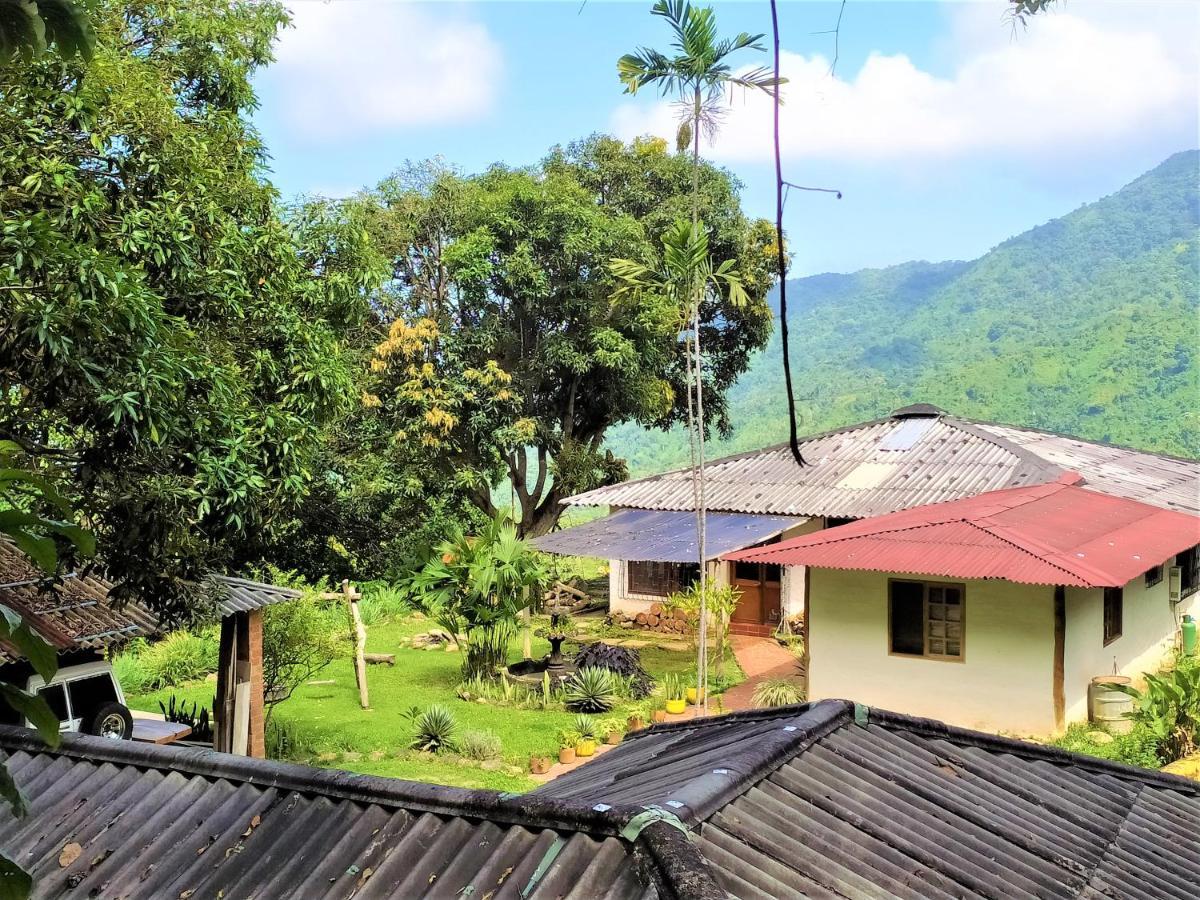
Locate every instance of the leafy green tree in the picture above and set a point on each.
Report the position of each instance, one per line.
(28, 27)
(39, 521)
(169, 334)
(509, 357)
(475, 587)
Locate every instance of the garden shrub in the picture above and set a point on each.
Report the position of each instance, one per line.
(480, 745)
(179, 657)
(1169, 707)
(777, 692)
(590, 690)
(382, 603)
(1137, 748)
(623, 661)
(300, 638)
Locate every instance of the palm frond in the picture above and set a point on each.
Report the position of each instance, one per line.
(646, 66)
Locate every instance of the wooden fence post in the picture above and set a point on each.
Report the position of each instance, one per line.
(360, 643)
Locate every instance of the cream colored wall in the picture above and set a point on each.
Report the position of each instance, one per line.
(1004, 684)
(1147, 637)
(621, 599)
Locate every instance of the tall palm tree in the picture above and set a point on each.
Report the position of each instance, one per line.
(699, 75)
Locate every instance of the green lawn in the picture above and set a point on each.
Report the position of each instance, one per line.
(331, 729)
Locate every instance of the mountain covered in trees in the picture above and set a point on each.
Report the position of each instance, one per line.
(1088, 325)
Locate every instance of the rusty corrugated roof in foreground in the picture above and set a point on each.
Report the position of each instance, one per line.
(152, 821)
(916, 456)
(831, 799)
(1058, 533)
(76, 612)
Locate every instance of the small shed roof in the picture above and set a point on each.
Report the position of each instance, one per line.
(78, 614)
(918, 455)
(663, 536)
(1059, 533)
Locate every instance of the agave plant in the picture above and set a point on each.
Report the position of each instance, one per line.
(436, 728)
(590, 690)
(585, 726)
(777, 692)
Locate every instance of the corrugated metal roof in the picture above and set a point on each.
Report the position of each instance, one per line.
(241, 595)
(903, 807)
(1045, 534)
(662, 535)
(78, 615)
(168, 822)
(853, 474)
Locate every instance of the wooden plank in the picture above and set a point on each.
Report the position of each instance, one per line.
(155, 731)
(1060, 640)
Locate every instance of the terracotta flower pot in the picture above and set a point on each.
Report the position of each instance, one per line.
(660, 715)
(635, 723)
(613, 738)
(539, 765)
(675, 707)
(585, 747)
(566, 755)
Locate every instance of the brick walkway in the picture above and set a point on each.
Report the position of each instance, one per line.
(761, 659)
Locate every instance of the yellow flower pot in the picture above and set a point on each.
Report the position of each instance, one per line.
(692, 696)
(675, 707)
(585, 748)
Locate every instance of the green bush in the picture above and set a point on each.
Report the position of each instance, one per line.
(1137, 748)
(288, 739)
(382, 603)
(480, 745)
(179, 657)
(1169, 708)
(128, 669)
(590, 690)
(777, 692)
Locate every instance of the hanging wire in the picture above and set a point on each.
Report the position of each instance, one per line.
(782, 189)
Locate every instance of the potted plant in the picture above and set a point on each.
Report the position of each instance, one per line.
(693, 696)
(659, 715)
(585, 731)
(566, 746)
(675, 694)
(611, 729)
(539, 765)
(636, 720)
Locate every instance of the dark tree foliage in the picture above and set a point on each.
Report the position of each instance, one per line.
(623, 661)
(169, 339)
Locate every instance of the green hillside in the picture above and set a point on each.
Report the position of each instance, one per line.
(1089, 325)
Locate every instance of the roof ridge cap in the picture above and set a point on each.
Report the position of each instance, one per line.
(1032, 463)
(1030, 749)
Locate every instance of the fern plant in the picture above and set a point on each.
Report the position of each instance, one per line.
(590, 690)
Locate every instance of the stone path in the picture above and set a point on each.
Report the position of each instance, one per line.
(760, 658)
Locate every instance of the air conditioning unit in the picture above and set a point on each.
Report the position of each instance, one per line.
(1174, 584)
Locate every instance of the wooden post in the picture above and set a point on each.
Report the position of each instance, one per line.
(360, 644)
(527, 638)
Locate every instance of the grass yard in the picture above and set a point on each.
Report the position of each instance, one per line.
(327, 727)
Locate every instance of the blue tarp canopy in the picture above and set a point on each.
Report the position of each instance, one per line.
(649, 535)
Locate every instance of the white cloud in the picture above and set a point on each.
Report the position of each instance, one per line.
(352, 68)
(1067, 82)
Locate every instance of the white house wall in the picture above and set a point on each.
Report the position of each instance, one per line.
(1004, 683)
(621, 599)
(1147, 637)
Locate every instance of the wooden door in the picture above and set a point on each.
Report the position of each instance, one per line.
(759, 584)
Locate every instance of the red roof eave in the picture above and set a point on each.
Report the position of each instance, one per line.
(1053, 534)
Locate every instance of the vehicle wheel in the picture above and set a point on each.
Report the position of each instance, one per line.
(112, 721)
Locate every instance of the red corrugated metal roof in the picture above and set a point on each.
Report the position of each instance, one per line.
(1058, 533)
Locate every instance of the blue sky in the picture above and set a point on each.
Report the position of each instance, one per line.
(946, 130)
